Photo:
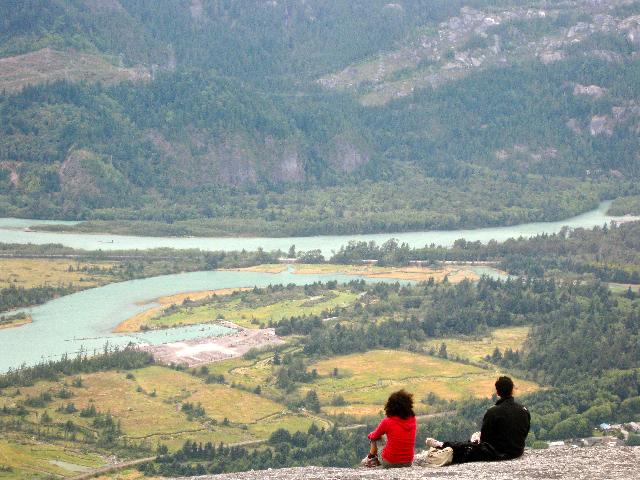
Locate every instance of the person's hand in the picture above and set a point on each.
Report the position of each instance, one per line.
(475, 438)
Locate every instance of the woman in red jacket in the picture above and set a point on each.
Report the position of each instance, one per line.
(400, 428)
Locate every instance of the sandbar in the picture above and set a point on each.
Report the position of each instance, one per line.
(454, 274)
(18, 322)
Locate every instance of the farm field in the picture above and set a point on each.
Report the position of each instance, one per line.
(476, 349)
(29, 273)
(365, 380)
(234, 309)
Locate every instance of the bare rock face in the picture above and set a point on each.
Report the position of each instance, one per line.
(589, 91)
(602, 463)
(346, 156)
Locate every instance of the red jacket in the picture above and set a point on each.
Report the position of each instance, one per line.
(401, 438)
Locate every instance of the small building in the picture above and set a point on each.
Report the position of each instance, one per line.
(287, 260)
(369, 262)
(558, 444)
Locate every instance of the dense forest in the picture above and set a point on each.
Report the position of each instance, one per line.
(233, 133)
(610, 253)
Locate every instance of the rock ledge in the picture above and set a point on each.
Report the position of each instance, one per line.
(603, 463)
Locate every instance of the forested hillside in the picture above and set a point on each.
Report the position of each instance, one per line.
(296, 115)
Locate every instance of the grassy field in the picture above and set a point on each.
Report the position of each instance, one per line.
(136, 323)
(365, 380)
(28, 273)
(148, 404)
(622, 288)
(477, 348)
(233, 309)
(29, 459)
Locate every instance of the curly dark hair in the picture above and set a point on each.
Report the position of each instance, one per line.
(400, 404)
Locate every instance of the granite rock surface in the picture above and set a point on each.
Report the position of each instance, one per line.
(602, 463)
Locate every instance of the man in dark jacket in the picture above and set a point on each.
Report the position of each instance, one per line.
(505, 427)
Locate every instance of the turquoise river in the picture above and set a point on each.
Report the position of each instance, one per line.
(84, 321)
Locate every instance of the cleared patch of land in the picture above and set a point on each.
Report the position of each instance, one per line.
(29, 273)
(47, 65)
(476, 349)
(136, 323)
(622, 288)
(452, 273)
(365, 380)
(29, 459)
(207, 350)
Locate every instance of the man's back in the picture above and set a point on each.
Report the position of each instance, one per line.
(505, 426)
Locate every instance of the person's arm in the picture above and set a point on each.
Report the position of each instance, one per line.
(378, 432)
(486, 433)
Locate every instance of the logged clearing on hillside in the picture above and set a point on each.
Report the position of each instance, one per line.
(47, 65)
(29, 273)
(365, 380)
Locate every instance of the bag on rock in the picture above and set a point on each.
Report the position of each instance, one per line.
(434, 457)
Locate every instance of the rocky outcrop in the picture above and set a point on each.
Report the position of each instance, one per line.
(602, 463)
(347, 156)
(494, 36)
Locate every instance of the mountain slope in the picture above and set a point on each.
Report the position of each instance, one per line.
(179, 110)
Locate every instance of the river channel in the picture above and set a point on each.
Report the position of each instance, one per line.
(84, 320)
(17, 231)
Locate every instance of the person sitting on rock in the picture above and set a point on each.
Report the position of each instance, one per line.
(399, 426)
(505, 427)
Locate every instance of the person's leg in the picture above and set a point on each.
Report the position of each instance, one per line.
(464, 452)
(373, 449)
(372, 460)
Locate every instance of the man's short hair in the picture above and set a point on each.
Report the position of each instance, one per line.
(504, 386)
